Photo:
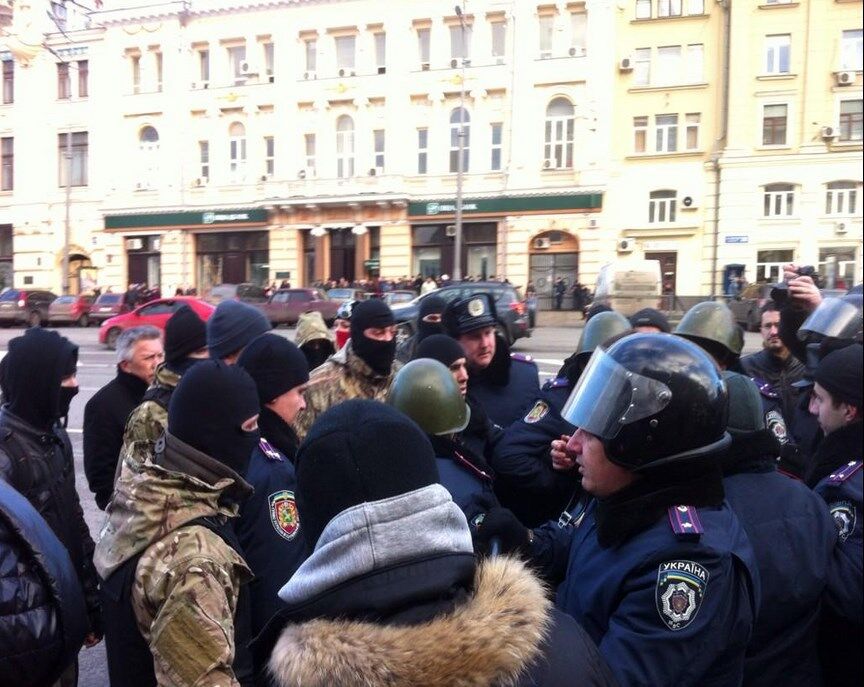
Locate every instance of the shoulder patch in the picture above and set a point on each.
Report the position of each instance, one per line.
(537, 413)
(685, 522)
(777, 425)
(841, 475)
(845, 518)
(765, 388)
(283, 514)
(679, 592)
(521, 357)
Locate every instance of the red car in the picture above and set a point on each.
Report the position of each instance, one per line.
(70, 310)
(155, 313)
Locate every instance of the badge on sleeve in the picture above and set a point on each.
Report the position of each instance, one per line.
(845, 518)
(283, 514)
(777, 425)
(537, 413)
(680, 589)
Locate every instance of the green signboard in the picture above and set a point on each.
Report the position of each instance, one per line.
(506, 204)
(206, 218)
(372, 264)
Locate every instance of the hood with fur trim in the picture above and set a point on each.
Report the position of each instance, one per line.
(490, 639)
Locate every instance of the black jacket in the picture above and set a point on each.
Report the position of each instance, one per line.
(104, 421)
(780, 374)
(42, 613)
(835, 449)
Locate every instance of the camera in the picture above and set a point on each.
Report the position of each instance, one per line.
(780, 292)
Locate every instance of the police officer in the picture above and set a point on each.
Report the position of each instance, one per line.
(504, 384)
(658, 569)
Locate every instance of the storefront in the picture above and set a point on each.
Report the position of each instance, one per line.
(143, 259)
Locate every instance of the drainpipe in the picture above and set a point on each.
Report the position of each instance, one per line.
(720, 144)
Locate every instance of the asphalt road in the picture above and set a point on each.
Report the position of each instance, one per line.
(96, 365)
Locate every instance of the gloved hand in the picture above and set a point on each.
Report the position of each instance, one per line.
(500, 523)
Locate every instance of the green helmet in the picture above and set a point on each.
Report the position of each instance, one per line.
(426, 391)
(602, 327)
(712, 321)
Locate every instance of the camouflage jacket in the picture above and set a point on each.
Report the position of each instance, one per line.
(344, 376)
(187, 580)
(147, 422)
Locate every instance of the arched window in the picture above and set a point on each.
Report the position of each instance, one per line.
(344, 147)
(841, 198)
(460, 120)
(560, 126)
(662, 206)
(148, 147)
(237, 152)
(778, 200)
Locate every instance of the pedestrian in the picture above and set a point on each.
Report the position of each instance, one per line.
(269, 527)
(231, 327)
(504, 384)
(650, 321)
(428, 285)
(38, 381)
(314, 339)
(392, 593)
(139, 353)
(428, 323)
(558, 291)
(362, 368)
(168, 557)
(577, 293)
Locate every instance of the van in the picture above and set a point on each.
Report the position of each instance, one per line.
(627, 286)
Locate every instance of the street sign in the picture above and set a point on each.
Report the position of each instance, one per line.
(742, 238)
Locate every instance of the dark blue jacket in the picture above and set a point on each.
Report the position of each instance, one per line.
(666, 606)
(270, 531)
(557, 391)
(466, 476)
(506, 387)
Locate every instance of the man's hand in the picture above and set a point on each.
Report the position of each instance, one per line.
(501, 524)
(805, 293)
(562, 459)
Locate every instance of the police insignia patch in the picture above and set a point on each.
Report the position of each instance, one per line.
(537, 413)
(845, 518)
(283, 514)
(777, 425)
(680, 589)
(475, 307)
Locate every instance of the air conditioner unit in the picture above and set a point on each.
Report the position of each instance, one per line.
(247, 68)
(454, 63)
(450, 230)
(592, 223)
(347, 72)
(690, 202)
(310, 76)
(376, 171)
(265, 177)
(576, 51)
(625, 245)
(626, 64)
(134, 244)
(828, 132)
(840, 228)
(301, 174)
(200, 181)
(844, 78)
(548, 163)
(424, 66)
(142, 185)
(382, 69)
(306, 173)
(542, 243)
(156, 244)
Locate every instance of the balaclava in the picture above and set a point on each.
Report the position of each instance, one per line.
(31, 373)
(429, 306)
(440, 347)
(208, 408)
(378, 355)
(185, 333)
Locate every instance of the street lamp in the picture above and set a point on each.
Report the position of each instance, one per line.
(457, 248)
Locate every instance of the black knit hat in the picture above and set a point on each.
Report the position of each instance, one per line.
(276, 365)
(357, 452)
(185, 333)
(232, 326)
(649, 317)
(839, 373)
(440, 347)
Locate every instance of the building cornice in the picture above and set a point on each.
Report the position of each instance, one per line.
(191, 8)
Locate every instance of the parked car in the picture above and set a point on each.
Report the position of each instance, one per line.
(70, 310)
(745, 306)
(25, 306)
(345, 295)
(511, 310)
(286, 305)
(155, 313)
(392, 298)
(248, 293)
(106, 306)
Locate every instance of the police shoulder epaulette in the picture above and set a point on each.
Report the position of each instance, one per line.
(765, 388)
(685, 522)
(268, 450)
(557, 383)
(522, 357)
(844, 473)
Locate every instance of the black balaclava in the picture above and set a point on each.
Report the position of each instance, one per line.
(31, 373)
(428, 306)
(317, 351)
(378, 355)
(445, 349)
(208, 408)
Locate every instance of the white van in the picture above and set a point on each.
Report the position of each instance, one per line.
(627, 286)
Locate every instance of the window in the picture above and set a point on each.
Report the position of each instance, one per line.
(460, 42)
(774, 121)
(135, 64)
(769, 265)
(777, 50)
(460, 122)
(643, 9)
(497, 130)
(661, 207)
(157, 61)
(668, 65)
(268, 62)
(64, 86)
(837, 266)
(204, 68)
(269, 156)
(841, 198)
(560, 126)
(378, 137)
(423, 39)
(640, 134)
(204, 160)
(693, 65)
(311, 51)
(546, 25)
(422, 151)
(236, 58)
(695, 7)
(850, 120)
(77, 162)
(7, 164)
(83, 78)
(499, 40)
(692, 133)
(381, 52)
(779, 200)
(8, 81)
(237, 152)
(148, 148)
(851, 51)
(578, 28)
(344, 147)
(345, 46)
(642, 66)
(666, 133)
(309, 151)
(668, 8)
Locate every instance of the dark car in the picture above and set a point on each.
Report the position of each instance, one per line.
(286, 305)
(25, 306)
(247, 293)
(344, 295)
(745, 306)
(512, 313)
(393, 298)
(70, 310)
(106, 306)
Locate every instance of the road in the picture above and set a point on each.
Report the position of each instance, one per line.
(548, 346)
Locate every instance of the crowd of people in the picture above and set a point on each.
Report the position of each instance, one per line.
(345, 511)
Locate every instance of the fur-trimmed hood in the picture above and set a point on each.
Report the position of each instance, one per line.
(490, 639)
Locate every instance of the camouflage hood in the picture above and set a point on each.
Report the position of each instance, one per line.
(165, 377)
(311, 326)
(156, 497)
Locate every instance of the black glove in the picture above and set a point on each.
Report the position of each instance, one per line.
(501, 524)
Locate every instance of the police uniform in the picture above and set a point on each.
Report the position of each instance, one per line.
(469, 484)
(557, 391)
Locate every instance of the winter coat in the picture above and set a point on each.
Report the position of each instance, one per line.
(148, 421)
(507, 387)
(105, 418)
(780, 374)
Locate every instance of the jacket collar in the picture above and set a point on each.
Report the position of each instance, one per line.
(498, 370)
(751, 452)
(165, 377)
(9, 422)
(835, 449)
(135, 384)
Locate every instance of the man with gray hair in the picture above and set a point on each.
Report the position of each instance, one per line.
(139, 351)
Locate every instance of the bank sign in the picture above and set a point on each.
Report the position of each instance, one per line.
(446, 209)
(506, 204)
(219, 218)
(208, 218)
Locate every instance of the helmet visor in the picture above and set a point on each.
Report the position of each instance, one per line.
(835, 318)
(608, 396)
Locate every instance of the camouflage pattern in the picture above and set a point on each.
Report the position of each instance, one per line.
(311, 326)
(342, 377)
(147, 422)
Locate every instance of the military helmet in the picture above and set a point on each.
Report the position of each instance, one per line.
(712, 321)
(426, 391)
(652, 399)
(602, 327)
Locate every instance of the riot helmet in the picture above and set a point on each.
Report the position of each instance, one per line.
(834, 318)
(653, 399)
(425, 391)
(712, 326)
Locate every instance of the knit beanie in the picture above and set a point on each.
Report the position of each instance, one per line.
(276, 365)
(745, 404)
(185, 333)
(356, 452)
(232, 326)
(440, 347)
(839, 373)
